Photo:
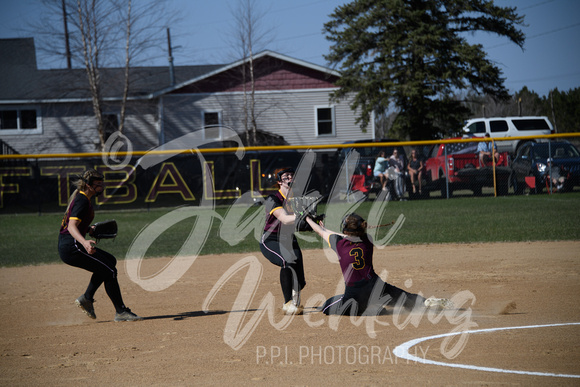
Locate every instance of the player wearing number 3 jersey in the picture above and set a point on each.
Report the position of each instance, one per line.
(363, 287)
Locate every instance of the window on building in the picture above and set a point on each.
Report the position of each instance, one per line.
(212, 124)
(9, 119)
(19, 121)
(325, 121)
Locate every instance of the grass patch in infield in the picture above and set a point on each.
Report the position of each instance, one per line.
(32, 239)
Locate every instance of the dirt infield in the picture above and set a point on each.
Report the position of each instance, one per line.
(237, 340)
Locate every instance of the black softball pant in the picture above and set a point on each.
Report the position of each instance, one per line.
(285, 253)
(375, 292)
(103, 265)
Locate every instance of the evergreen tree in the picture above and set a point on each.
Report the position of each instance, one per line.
(563, 108)
(529, 103)
(414, 54)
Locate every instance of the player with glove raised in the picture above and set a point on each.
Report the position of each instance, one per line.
(303, 207)
(77, 251)
(279, 244)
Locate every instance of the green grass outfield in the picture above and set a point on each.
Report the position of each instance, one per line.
(32, 239)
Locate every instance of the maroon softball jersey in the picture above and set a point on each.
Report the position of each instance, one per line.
(355, 256)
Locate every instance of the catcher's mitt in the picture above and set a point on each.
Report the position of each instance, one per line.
(104, 230)
(303, 206)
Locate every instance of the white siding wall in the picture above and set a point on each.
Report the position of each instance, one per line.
(290, 114)
(65, 129)
(71, 128)
(141, 125)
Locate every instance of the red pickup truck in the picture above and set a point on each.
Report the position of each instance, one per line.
(459, 162)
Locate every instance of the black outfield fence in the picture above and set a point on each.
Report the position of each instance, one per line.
(43, 183)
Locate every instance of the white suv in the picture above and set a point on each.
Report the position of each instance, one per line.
(499, 127)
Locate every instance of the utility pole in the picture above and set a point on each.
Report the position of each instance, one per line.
(553, 111)
(66, 37)
(171, 69)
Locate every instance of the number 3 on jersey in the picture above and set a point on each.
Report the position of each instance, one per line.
(359, 261)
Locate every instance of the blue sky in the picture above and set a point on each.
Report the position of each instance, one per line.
(550, 59)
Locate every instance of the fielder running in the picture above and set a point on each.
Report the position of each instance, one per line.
(77, 251)
(280, 246)
(363, 287)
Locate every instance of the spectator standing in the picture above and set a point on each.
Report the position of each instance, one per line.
(397, 174)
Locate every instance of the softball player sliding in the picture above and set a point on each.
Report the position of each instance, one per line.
(280, 246)
(355, 255)
(77, 251)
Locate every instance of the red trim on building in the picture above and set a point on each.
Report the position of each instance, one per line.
(270, 74)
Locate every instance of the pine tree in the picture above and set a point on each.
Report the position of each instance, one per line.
(413, 54)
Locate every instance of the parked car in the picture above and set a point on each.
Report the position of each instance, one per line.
(366, 163)
(499, 127)
(532, 160)
(455, 166)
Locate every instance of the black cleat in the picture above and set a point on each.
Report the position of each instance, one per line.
(127, 315)
(87, 306)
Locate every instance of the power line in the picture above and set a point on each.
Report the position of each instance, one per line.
(556, 30)
(540, 34)
(300, 36)
(561, 76)
(303, 6)
(537, 4)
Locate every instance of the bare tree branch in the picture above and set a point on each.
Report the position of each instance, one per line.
(249, 37)
(101, 34)
(127, 63)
